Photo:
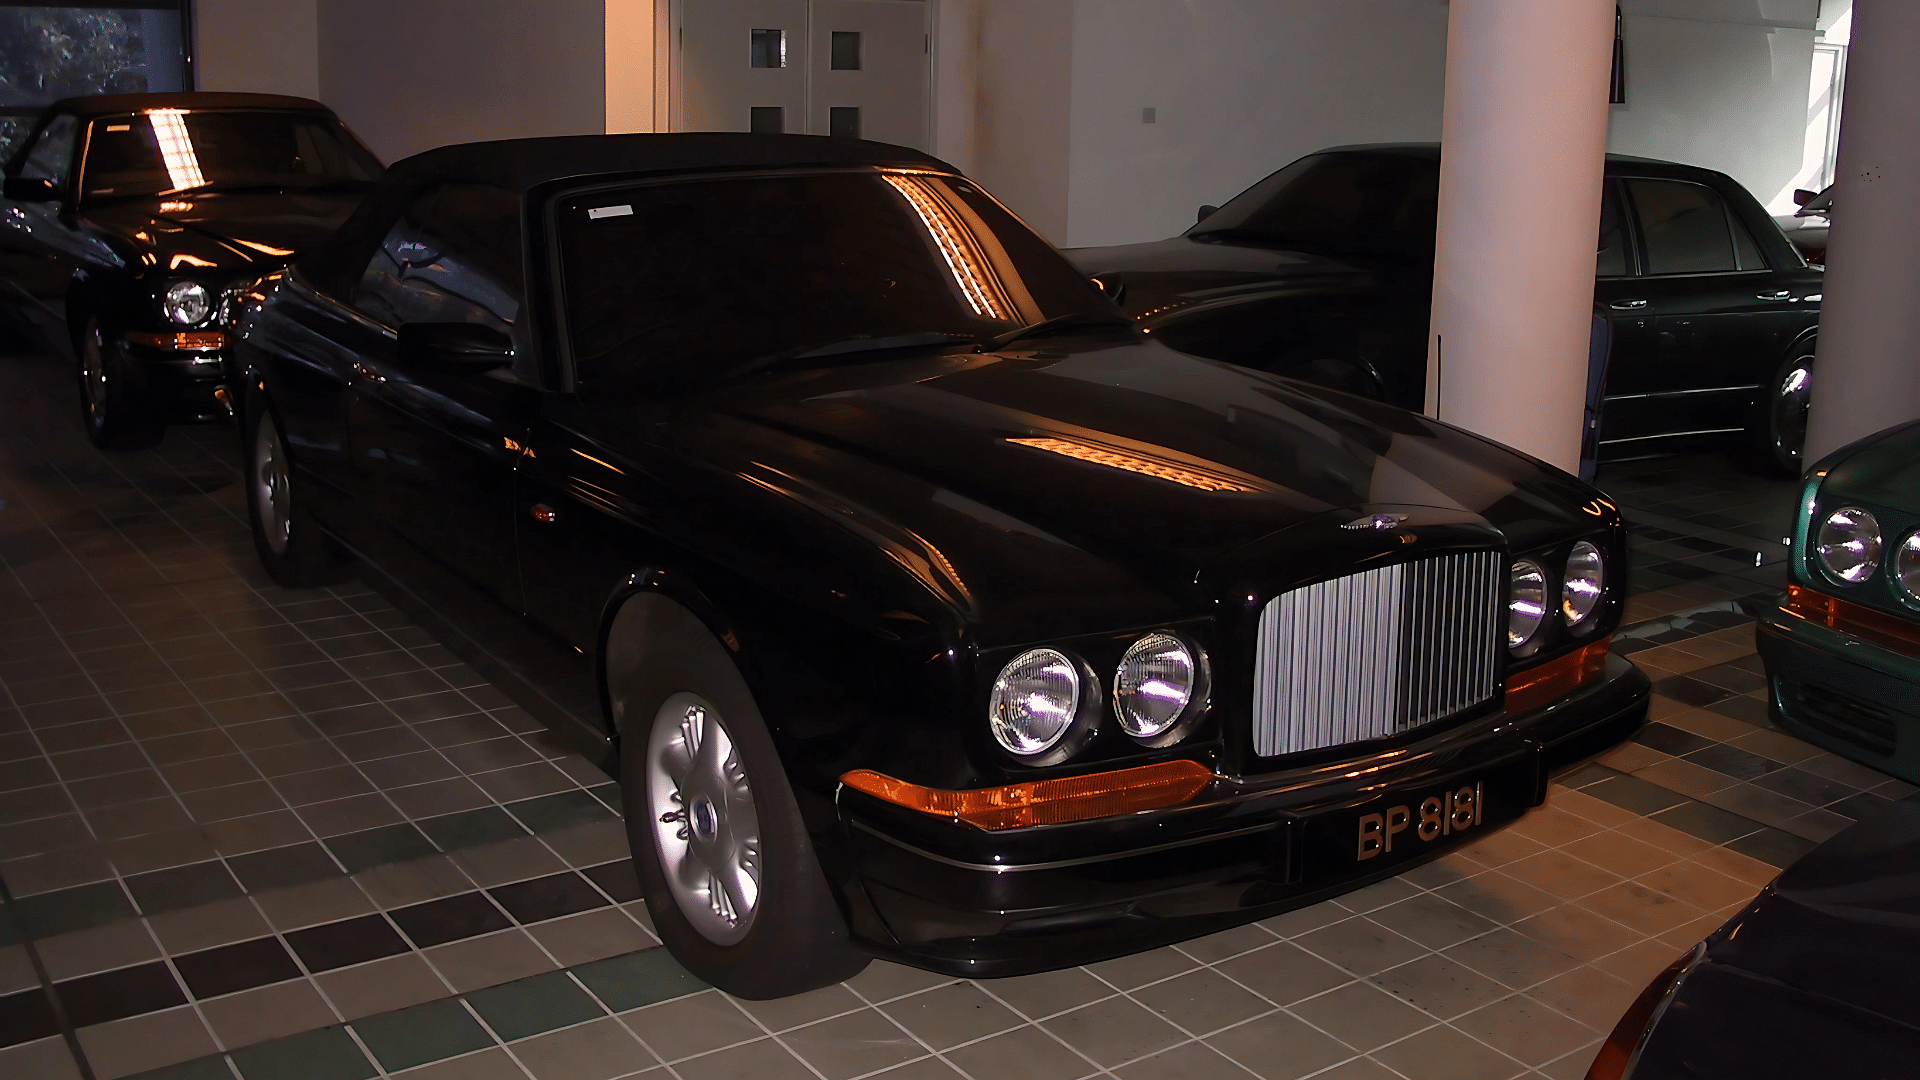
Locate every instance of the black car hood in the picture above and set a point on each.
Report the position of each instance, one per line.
(1108, 479)
(241, 230)
(1169, 275)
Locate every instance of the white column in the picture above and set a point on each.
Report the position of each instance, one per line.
(1865, 376)
(1523, 142)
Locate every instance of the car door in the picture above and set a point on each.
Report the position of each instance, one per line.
(433, 451)
(1710, 295)
(41, 245)
(1617, 286)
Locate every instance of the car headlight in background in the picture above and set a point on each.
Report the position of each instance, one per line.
(1034, 701)
(1583, 584)
(1526, 602)
(1906, 567)
(187, 303)
(1159, 681)
(1848, 545)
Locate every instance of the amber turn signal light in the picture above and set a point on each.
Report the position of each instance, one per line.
(1863, 622)
(1530, 689)
(1045, 802)
(186, 341)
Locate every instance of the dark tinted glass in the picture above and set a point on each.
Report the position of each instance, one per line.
(454, 256)
(846, 51)
(1746, 253)
(1684, 226)
(679, 285)
(170, 150)
(1612, 258)
(52, 153)
(1346, 203)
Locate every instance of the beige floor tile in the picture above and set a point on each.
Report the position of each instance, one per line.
(1377, 895)
(592, 935)
(1816, 825)
(1114, 1031)
(866, 1041)
(780, 1014)
(1280, 1047)
(1361, 1015)
(1502, 848)
(100, 948)
(1201, 1002)
(1360, 945)
(514, 860)
(1444, 870)
(1358, 1069)
(1589, 995)
(1632, 757)
(1693, 883)
(416, 881)
(489, 960)
(140, 1043)
(1496, 897)
(1834, 767)
(1618, 853)
(493, 1064)
(1284, 973)
(1432, 921)
(1439, 986)
(1188, 1061)
(590, 844)
(308, 905)
(1644, 909)
(1578, 932)
(1139, 969)
(1709, 724)
(1444, 1053)
(1685, 777)
(1217, 947)
(1025, 1053)
(927, 1068)
(1595, 810)
(42, 1059)
(1572, 1066)
(1638, 963)
(1560, 874)
(1661, 836)
(208, 925)
(1043, 995)
(16, 970)
(882, 980)
(1524, 1029)
(392, 983)
(1690, 933)
(1776, 745)
(763, 1060)
(949, 1015)
(254, 1016)
(1554, 826)
(1511, 958)
(688, 1026)
(1300, 920)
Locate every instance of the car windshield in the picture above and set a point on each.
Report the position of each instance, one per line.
(693, 283)
(1337, 204)
(164, 151)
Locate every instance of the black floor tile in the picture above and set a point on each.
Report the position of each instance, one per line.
(232, 968)
(180, 887)
(353, 941)
(557, 811)
(116, 995)
(1746, 709)
(1589, 774)
(1728, 677)
(1635, 794)
(374, 847)
(431, 706)
(1709, 823)
(1809, 788)
(1733, 761)
(278, 868)
(616, 879)
(1861, 805)
(471, 828)
(450, 919)
(1670, 740)
(1689, 691)
(78, 908)
(26, 1016)
(548, 897)
(609, 795)
(1774, 847)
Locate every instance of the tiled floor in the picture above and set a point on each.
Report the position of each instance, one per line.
(246, 832)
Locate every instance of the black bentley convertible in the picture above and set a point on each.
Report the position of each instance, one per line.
(924, 607)
(127, 219)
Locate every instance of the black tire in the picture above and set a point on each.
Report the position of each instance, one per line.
(292, 548)
(1778, 426)
(110, 407)
(793, 938)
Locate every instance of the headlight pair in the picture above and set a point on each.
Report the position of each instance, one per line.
(1040, 696)
(1849, 547)
(1583, 583)
(187, 303)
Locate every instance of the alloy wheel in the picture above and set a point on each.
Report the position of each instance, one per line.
(705, 826)
(1787, 405)
(272, 492)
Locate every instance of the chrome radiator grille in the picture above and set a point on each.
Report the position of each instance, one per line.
(1376, 653)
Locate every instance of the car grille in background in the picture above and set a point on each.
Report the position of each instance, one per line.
(1377, 653)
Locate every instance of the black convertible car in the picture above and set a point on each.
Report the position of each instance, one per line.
(129, 216)
(927, 609)
(1323, 271)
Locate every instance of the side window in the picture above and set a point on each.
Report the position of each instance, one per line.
(52, 152)
(454, 256)
(1686, 227)
(1611, 260)
(1745, 251)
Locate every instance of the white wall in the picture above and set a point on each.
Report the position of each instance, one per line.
(1719, 83)
(411, 76)
(1239, 88)
(257, 46)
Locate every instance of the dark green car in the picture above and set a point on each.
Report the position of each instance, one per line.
(1843, 648)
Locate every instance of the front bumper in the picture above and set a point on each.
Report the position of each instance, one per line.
(1856, 698)
(176, 385)
(954, 898)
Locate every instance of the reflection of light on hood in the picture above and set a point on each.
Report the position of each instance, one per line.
(175, 207)
(184, 259)
(970, 270)
(1129, 461)
(176, 148)
(266, 248)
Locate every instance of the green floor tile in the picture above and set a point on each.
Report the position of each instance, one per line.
(416, 1035)
(1709, 823)
(1773, 847)
(530, 1006)
(638, 978)
(206, 1068)
(1635, 794)
(323, 1054)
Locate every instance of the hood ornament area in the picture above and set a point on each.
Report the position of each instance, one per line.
(1376, 521)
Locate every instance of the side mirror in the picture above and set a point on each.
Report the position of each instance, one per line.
(1802, 196)
(467, 347)
(30, 189)
(1205, 212)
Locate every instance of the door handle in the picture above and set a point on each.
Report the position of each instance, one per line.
(1778, 294)
(1627, 305)
(366, 371)
(544, 514)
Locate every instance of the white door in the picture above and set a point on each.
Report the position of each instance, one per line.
(851, 67)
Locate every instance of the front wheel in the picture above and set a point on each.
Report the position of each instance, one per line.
(109, 407)
(728, 868)
(291, 547)
(1780, 428)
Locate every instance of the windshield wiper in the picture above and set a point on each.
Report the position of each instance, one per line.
(1058, 322)
(852, 345)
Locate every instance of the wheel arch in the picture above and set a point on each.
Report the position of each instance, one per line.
(622, 631)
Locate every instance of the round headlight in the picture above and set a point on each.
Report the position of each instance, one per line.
(1581, 585)
(1526, 602)
(1906, 567)
(187, 303)
(1034, 701)
(1158, 679)
(1849, 545)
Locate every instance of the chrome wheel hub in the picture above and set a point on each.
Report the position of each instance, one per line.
(272, 493)
(705, 826)
(1791, 398)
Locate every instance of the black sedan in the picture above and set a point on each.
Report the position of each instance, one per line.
(1323, 271)
(129, 216)
(1817, 977)
(925, 608)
